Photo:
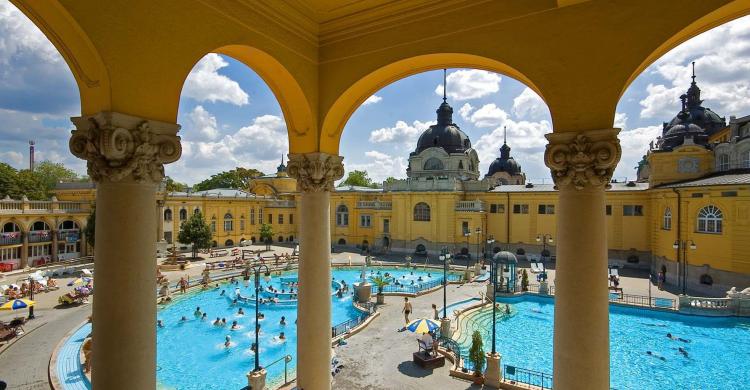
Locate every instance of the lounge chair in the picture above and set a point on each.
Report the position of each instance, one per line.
(86, 272)
(535, 268)
(428, 350)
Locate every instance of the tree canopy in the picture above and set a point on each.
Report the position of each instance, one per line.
(236, 178)
(196, 232)
(175, 186)
(359, 179)
(36, 185)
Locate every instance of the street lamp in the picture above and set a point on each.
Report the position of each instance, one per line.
(478, 231)
(684, 244)
(31, 297)
(445, 257)
(544, 239)
(257, 269)
(493, 275)
(467, 234)
(488, 248)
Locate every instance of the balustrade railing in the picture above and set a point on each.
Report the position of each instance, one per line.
(11, 238)
(417, 287)
(642, 300)
(374, 205)
(705, 303)
(9, 206)
(281, 204)
(470, 205)
(346, 326)
(525, 378)
(40, 236)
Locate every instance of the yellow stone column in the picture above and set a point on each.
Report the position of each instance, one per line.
(159, 220)
(582, 166)
(315, 174)
(125, 156)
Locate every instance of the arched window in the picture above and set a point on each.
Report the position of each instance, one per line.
(667, 221)
(746, 159)
(67, 225)
(183, 214)
(39, 226)
(342, 241)
(228, 222)
(228, 243)
(710, 219)
(342, 215)
(433, 164)
(197, 211)
(168, 214)
(422, 212)
(213, 224)
(722, 163)
(10, 227)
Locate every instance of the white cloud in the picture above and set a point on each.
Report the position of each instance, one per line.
(204, 83)
(259, 145)
(465, 111)
(379, 166)
(527, 143)
(402, 133)
(488, 115)
(372, 100)
(528, 105)
(722, 57)
(621, 120)
(466, 84)
(203, 123)
(12, 158)
(634, 144)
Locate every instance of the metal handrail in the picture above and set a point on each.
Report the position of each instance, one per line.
(523, 377)
(287, 359)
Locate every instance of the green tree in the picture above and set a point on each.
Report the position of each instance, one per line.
(359, 179)
(266, 235)
(31, 185)
(389, 180)
(9, 182)
(90, 229)
(236, 178)
(476, 353)
(195, 231)
(175, 186)
(49, 174)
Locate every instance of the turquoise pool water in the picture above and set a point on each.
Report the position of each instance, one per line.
(718, 351)
(191, 354)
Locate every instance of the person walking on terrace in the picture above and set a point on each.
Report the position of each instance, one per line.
(406, 310)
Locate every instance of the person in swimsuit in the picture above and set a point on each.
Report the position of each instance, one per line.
(406, 310)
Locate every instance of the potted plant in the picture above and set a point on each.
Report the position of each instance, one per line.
(476, 357)
(524, 280)
(380, 281)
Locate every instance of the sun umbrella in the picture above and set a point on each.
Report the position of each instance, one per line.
(80, 282)
(422, 325)
(17, 304)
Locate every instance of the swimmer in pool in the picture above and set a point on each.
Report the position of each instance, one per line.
(662, 358)
(197, 312)
(227, 341)
(159, 324)
(283, 321)
(235, 325)
(204, 317)
(241, 312)
(183, 319)
(222, 293)
(683, 351)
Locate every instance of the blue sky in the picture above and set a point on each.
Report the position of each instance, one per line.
(230, 118)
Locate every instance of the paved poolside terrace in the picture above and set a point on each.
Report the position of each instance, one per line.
(25, 360)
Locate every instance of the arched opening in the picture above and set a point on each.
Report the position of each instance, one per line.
(342, 241)
(228, 243)
(280, 239)
(68, 240)
(183, 215)
(11, 238)
(40, 243)
(168, 215)
(291, 239)
(252, 239)
(214, 244)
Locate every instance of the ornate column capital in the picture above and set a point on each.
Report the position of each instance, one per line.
(120, 147)
(581, 160)
(315, 172)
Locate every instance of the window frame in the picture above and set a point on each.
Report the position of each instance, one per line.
(422, 212)
(710, 220)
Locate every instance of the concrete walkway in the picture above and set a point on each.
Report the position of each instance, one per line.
(380, 357)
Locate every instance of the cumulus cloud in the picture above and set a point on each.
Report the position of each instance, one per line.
(33, 75)
(258, 145)
(465, 111)
(372, 100)
(722, 57)
(379, 166)
(527, 143)
(467, 84)
(204, 83)
(621, 120)
(528, 105)
(489, 115)
(12, 158)
(634, 145)
(401, 133)
(203, 123)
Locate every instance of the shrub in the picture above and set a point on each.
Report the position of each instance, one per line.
(476, 353)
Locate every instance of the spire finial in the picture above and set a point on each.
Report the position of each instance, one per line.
(282, 158)
(693, 77)
(445, 84)
(505, 135)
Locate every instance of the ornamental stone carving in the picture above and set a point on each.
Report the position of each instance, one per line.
(315, 172)
(120, 147)
(581, 160)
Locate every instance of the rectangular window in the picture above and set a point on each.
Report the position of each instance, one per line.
(697, 195)
(608, 209)
(386, 226)
(291, 219)
(632, 210)
(270, 218)
(493, 208)
(252, 216)
(465, 227)
(228, 226)
(260, 215)
(546, 209)
(281, 219)
(242, 224)
(213, 226)
(729, 193)
(365, 221)
(520, 209)
(501, 209)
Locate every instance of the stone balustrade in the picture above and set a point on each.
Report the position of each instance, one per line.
(374, 205)
(735, 306)
(470, 205)
(25, 206)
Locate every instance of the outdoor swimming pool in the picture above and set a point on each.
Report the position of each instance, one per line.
(718, 351)
(191, 354)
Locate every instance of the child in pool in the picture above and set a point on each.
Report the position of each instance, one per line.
(227, 341)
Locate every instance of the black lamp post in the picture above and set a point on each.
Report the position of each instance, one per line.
(445, 258)
(31, 297)
(684, 245)
(256, 269)
(467, 234)
(493, 275)
(544, 238)
(478, 231)
(488, 248)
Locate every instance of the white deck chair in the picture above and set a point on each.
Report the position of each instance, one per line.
(615, 272)
(86, 272)
(535, 268)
